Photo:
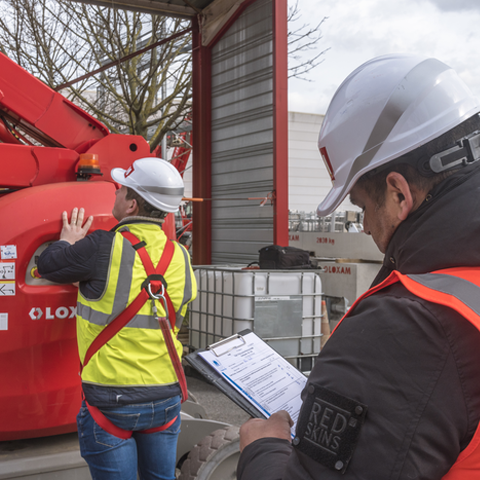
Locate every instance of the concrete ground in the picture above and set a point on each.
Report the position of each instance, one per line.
(217, 405)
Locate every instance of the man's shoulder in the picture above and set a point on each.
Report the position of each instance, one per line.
(99, 236)
(394, 310)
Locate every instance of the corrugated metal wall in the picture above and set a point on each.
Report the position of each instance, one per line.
(242, 136)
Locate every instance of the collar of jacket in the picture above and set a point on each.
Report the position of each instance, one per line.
(130, 220)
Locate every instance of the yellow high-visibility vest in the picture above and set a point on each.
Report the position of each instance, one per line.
(137, 355)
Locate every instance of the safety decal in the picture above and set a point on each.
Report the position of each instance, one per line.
(8, 252)
(328, 427)
(7, 288)
(7, 271)
(3, 321)
(328, 163)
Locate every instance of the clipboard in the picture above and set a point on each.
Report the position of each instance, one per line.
(212, 375)
(235, 349)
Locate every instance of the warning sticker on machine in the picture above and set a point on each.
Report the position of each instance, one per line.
(7, 288)
(3, 321)
(7, 270)
(8, 252)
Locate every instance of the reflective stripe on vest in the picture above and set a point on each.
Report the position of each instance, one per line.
(457, 288)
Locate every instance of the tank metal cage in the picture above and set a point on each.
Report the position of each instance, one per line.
(283, 307)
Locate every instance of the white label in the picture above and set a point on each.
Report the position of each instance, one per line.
(3, 321)
(8, 252)
(7, 270)
(271, 299)
(7, 288)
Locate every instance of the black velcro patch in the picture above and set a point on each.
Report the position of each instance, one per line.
(328, 427)
(138, 246)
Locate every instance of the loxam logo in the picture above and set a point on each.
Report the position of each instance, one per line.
(37, 313)
(338, 270)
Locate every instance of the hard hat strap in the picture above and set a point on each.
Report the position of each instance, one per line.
(465, 152)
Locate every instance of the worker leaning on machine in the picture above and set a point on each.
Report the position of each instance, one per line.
(395, 393)
(130, 278)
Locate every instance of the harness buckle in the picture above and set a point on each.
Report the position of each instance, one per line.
(155, 296)
(160, 297)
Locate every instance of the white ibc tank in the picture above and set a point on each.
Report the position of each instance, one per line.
(283, 307)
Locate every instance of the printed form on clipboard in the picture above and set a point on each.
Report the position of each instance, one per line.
(258, 373)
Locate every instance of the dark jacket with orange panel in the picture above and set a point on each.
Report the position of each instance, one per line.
(395, 393)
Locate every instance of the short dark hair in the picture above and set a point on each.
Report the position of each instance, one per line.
(414, 166)
(144, 208)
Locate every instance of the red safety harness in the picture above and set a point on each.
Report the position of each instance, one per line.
(156, 281)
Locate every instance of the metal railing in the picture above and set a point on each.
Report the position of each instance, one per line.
(336, 222)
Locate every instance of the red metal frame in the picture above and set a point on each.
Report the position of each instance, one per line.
(202, 138)
(280, 122)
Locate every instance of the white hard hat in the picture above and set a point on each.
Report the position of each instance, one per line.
(155, 180)
(387, 107)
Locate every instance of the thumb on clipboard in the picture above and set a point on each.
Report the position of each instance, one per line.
(277, 426)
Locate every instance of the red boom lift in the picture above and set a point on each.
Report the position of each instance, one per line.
(49, 164)
(182, 148)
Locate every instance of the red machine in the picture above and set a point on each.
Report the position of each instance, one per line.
(182, 144)
(49, 164)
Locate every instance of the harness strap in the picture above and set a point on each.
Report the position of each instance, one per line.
(118, 432)
(160, 270)
(162, 266)
(114, 327)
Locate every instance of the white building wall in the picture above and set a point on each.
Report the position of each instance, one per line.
(309, 181)
(187, 177)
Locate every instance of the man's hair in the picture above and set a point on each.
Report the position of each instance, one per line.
(144, 208)
(414, 166)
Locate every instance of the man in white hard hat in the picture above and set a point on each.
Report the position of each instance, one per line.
(134, 287)
(395, 393)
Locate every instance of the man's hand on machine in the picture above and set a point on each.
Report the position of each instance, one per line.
(74, 231)
(277, 426)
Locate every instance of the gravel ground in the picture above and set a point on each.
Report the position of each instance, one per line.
(217, 405)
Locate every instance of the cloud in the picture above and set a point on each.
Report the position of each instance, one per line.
(358, 30)
(456, 5)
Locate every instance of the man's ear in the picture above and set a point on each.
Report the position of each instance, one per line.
(399, 195)
(132, 209)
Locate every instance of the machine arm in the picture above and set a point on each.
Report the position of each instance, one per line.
(40, 112)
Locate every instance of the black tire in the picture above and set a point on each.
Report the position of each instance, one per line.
(215, 457)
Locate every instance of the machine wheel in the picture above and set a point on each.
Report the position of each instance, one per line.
(215, 457)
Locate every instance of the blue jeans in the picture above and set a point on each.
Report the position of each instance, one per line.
(153, 454)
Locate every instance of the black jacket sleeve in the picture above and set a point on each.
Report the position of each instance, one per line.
(85, 261)
(264, 459)
(414, 365)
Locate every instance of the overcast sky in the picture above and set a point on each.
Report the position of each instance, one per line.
(358, 30)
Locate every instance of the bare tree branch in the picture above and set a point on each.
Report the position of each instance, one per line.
(303, 39)
(148, 95)
(57, 40)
